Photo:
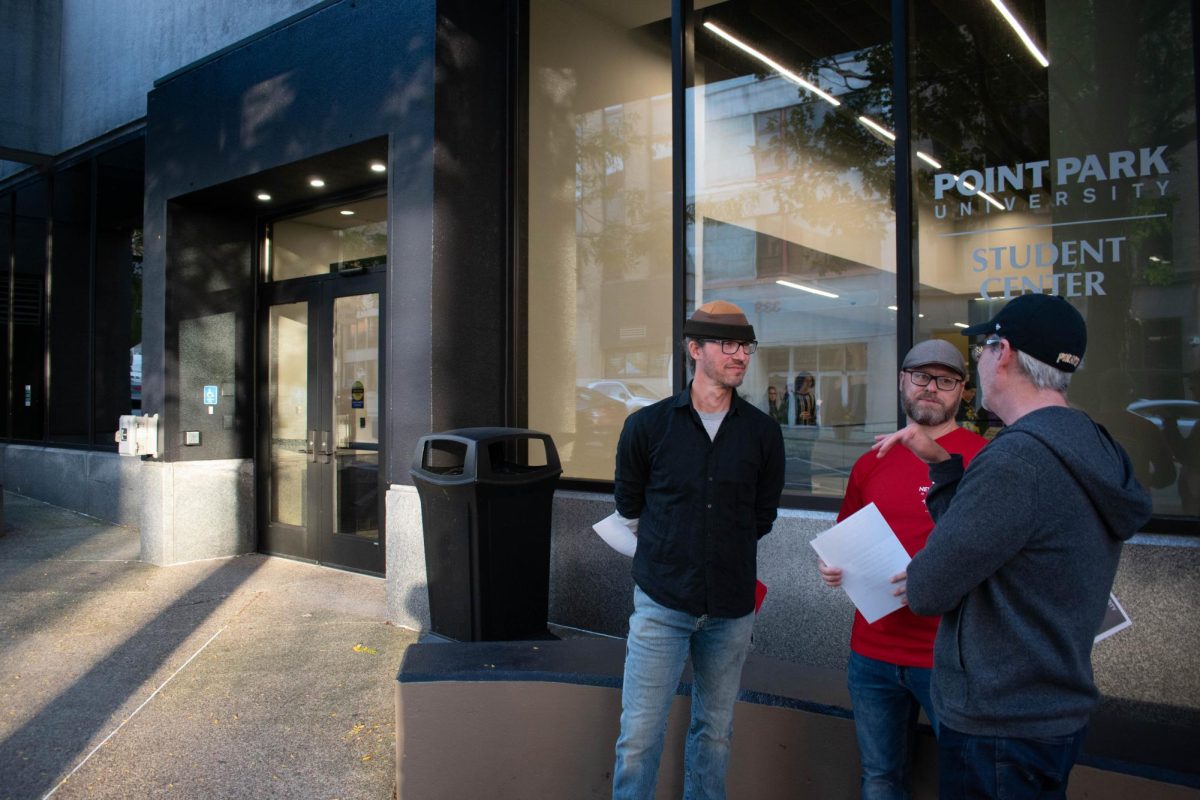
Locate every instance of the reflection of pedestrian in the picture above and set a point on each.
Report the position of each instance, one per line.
(804, 400)
(776, 407)
(702, 473)
(968, 415)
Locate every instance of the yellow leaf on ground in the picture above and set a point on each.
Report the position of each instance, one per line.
(362, 648)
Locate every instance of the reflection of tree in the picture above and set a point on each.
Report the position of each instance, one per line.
(363, 241)
(135, 321)
(1122, 65)
(818, 166)
(618, 225)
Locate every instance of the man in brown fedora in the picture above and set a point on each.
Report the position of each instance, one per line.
(702, 472)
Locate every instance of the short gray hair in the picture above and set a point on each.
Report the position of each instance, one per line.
(1042, 375)
(687, 354)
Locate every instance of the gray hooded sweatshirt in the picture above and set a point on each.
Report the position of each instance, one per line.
(1020, 565)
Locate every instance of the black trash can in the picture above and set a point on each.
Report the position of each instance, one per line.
(486, 498)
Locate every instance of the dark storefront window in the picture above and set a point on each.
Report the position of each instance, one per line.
(6, 259)
(1070, 171)
(28, 306)
(70, 249)
(790, 215)
(73, 300)
(117, 345)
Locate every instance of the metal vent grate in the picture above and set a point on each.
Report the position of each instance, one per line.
(27, 301)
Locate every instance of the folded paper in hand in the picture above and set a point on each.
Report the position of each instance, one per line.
(618, 533)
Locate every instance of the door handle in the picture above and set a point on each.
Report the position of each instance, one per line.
(311, 450)
(325, 452)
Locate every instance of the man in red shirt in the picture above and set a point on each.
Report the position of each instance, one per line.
(891, 660)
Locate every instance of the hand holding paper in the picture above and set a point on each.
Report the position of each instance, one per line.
(618, 533)
(864, 547)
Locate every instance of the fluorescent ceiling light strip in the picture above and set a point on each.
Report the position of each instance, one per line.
(992, 200)
(791, 76)
(809, 289)
(875, 126)
(928, 159)
(961, 325)
(1016, 26)
(967, 185)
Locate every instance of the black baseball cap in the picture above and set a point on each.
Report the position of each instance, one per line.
(1045, 326)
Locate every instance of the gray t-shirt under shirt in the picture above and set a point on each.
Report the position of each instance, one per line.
(712, 421)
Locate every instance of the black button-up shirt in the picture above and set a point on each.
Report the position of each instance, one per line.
(702, 503)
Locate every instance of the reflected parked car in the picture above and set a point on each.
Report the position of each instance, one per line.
(598, 423)
(1185, 412)
(597, 416)
(634, 395)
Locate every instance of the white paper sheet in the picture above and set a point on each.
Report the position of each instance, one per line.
(618, 533)
(1115, 619)
(866, 549)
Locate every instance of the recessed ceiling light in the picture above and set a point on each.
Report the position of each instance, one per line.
(316, 183)
(263, 196)
(345, 212)
(378, 166)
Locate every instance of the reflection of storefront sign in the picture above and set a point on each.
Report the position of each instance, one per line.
(1058, 267)
(1047, 255)
(1068, 176)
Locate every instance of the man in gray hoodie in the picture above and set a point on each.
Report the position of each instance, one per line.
(1021, 561)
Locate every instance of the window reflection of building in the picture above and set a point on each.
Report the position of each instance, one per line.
(1107, 221)
(600, 283)
(788, 188)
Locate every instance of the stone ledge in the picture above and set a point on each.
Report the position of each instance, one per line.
(1123, 755)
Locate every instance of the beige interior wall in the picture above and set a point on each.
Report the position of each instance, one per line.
(582, 61)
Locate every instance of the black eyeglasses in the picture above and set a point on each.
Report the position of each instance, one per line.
(730, 347)
(977, 349)
(943, 382)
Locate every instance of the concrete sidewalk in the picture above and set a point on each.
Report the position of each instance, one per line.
(248, 677)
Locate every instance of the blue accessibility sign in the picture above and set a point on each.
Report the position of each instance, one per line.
(210, 395)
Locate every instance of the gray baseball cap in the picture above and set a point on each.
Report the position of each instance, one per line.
(935, 351)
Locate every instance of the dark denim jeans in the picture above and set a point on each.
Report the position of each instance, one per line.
(886, 699)
(1004, 768)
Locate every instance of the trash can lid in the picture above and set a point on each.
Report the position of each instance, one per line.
(475, 459)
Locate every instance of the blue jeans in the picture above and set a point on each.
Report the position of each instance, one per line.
(660, 640)
(1004, 768)
(886, 700)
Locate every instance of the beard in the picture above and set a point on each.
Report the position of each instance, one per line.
(718, 377)
(925, 414)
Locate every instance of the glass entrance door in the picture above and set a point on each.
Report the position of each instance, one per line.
(320, 491)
